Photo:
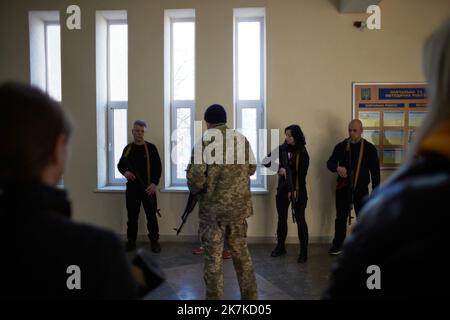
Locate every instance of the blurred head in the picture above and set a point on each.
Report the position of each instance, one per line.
(355, 130)
(139, 128)
(436, 66)
(294, 136)
(34, 133)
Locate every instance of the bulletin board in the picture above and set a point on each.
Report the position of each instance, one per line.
(390, 113)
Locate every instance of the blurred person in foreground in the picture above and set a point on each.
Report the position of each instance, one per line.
(45, 255)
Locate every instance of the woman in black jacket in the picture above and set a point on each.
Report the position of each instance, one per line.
(294, 163)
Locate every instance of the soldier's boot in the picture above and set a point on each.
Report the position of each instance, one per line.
(279, 250)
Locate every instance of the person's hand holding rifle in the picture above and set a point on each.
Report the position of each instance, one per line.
(150, 190)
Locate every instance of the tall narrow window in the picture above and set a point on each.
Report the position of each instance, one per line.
(249, 79)
(117, 95)
(112, 94)
(180, 92)
(45, 52)
(53, 59)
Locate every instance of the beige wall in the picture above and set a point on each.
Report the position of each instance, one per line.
(313, 55)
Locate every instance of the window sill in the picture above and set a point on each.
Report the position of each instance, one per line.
(259, 190)
(185, 189)
(179, 189)
(121, 189)
(111, 189)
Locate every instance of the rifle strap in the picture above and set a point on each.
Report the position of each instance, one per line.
(148, 162)
(127, 152)
(360, 157)
(358, 168)
(297, 183)
(348, 153)
(147, 155)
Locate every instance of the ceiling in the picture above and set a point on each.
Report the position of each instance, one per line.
(355, 6)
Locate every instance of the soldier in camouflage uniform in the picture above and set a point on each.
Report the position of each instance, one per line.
(224, 205)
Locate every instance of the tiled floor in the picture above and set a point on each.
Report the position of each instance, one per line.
(278, 278)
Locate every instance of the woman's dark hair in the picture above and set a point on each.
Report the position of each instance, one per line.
(297, 134)
(30, 124)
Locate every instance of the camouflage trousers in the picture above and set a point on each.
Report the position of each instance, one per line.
(212, 236)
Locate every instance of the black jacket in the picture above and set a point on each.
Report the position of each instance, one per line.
(138, 162)
(370, 163)
(403, 229)
(38, 243)
(302, 194)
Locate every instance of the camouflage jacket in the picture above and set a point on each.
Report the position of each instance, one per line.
(223, 187)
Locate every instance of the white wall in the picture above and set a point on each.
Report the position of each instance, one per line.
(313, 55)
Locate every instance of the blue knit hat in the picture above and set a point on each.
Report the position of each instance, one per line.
(216, 114)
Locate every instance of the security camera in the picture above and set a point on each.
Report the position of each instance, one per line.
(359, 24)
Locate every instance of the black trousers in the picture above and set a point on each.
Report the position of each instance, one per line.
(283, 203)
(135, 195)
(343, 210)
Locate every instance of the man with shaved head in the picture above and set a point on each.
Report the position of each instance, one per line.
(356, 162)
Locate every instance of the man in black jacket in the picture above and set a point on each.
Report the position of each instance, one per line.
(141, 165)
(356, 162)
(399, 247)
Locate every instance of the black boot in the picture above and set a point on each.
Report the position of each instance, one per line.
(303, 251)
(303, 257)
(279, 250)
(154, 244)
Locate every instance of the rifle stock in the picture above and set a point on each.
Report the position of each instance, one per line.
(191, 203)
